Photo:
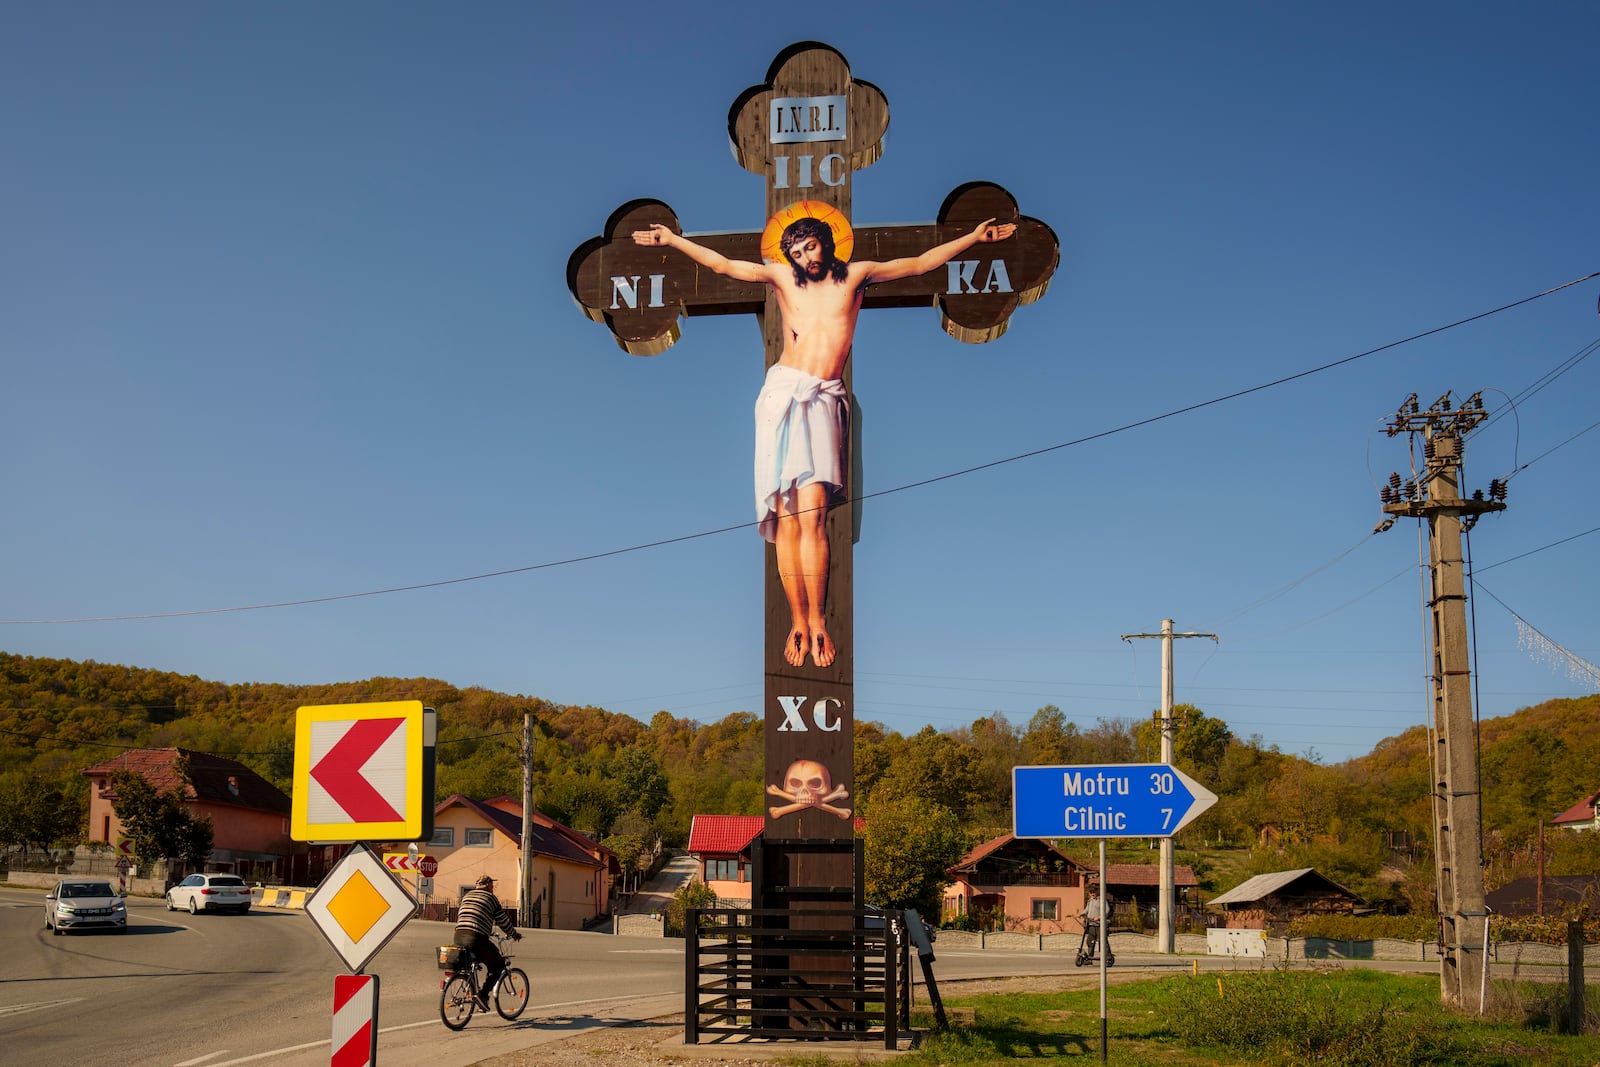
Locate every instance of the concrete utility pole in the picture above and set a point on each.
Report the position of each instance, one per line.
(525, 864)
(1165, 939)
(1434, 494)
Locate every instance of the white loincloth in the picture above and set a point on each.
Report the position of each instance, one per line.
(801, 424)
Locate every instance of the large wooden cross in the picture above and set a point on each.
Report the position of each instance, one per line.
(807, 131)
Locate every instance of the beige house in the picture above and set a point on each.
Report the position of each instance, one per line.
(572, 875)
(1584, 815)
(249, 815)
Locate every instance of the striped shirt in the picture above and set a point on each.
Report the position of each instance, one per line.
(481, 912)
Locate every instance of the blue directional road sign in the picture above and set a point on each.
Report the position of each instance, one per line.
(1118, 800)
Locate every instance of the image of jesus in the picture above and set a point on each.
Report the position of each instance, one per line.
(802, 412)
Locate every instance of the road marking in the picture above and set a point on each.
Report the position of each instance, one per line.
(18, 1009)
(202, 1059)
(428, 1022)
(265, 1055)
(647, 952)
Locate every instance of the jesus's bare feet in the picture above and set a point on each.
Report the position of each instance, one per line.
(822, 651)
(794, 650)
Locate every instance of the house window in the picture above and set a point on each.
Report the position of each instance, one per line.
(1046, 909)
(443, 837)
(478, 837)
(722, 870)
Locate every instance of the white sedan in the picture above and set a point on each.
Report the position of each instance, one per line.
(210, 892)
(85, 905)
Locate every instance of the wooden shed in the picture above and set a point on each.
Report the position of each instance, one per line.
(1270, 901)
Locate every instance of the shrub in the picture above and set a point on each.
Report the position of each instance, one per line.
(1302, 1017)
(694, 894)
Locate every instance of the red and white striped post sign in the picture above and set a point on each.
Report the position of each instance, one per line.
(355, 1020)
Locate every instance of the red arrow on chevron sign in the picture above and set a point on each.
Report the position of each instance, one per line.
(339, 771)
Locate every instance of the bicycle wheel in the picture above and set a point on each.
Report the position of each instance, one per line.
(511, 995)
(456, 1004)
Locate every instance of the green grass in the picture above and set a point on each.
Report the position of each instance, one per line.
(1330, 1018)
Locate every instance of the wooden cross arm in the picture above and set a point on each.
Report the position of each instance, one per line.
(978, 290)
(640, 292)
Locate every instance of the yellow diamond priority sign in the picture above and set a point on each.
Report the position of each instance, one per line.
(359, 907)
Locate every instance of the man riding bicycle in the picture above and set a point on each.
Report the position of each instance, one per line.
(480, 913)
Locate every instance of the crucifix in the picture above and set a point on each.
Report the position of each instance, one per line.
(806, 275)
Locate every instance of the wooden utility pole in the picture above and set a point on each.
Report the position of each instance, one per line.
(1166, 940)
(1434, 494)
(525, 861)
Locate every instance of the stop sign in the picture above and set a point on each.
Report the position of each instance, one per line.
(427, 866)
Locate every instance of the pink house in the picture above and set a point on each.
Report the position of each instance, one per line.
(249, 815)
(721, 845)
(1012, 883)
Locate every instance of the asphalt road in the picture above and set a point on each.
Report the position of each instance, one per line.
(216, 990)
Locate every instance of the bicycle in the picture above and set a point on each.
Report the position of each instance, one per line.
(466, 977)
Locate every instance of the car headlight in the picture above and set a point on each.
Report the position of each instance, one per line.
(118, 905)
(64, 909)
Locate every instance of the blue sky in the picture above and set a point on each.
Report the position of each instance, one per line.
(283, 317)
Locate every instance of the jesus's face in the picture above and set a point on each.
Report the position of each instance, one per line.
(808, 255)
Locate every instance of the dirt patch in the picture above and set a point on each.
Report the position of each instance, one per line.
(659, 1042)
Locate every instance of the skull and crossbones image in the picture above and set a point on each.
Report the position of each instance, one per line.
(807, 784)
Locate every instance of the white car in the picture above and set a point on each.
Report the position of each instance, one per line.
(210, 892)
(85, 905)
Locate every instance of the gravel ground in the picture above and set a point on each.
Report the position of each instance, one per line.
(659, 1042)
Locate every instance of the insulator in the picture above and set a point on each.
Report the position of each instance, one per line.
(1411, 490)
(1394, 479)
(1477, 494)
(1386, 495)
(1427, 449)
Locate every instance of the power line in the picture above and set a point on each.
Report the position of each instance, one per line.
(1033, 454)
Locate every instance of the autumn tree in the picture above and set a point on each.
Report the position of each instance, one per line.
(909, 844)
(1199, 742)
(935, 768)
(159, 824)
(35, 813)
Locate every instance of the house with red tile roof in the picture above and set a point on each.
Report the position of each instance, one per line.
(1138, 885)
(572, 874)
(1581, 816)
(1015, 883)
(721, 845)
(249, 815)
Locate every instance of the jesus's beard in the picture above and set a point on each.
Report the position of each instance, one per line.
(817, 271)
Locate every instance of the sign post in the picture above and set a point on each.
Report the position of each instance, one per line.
(363, 772)
(1115, 800)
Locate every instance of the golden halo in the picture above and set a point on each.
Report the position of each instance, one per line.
(844, 238)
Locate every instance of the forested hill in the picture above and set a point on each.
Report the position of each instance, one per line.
(608, 773)
(1536, 763)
